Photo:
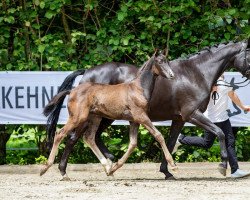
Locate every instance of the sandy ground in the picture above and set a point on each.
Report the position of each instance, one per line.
(132, 181)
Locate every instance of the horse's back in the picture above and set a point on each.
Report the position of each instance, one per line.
(110, 73)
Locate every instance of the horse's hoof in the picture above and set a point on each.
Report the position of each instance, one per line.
(110, 174)
(43, 170)
(65, 178)
(170, 178)
(222, 169)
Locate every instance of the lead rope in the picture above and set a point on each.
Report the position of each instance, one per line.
(215, 96)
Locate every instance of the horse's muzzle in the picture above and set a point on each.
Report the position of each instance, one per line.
(247, 74)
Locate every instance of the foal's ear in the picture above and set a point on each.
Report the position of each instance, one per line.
(156, 53)
(165, 52)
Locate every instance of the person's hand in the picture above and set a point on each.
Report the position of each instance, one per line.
(247, 108)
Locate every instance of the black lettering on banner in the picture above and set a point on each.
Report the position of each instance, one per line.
(5, 97)
(29, 96)
(46, 95)
(18, 96)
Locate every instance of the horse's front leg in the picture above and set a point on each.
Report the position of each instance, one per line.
(175, 130)
(133, 134)
(103, 125)
(197, 118)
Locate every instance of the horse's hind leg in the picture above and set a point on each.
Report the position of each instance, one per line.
(133, 133)
(71, 141)
(197, 118)
(89, 138)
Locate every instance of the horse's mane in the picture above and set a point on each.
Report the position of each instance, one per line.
(207, 50)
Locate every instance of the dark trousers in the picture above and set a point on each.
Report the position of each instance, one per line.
(208, 140)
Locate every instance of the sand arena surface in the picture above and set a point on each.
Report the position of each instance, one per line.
(132, 181)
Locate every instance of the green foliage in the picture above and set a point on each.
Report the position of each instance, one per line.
(66, 35)
(25, 144)
(41, 160)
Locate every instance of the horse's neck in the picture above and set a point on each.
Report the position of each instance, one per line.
(146, 80)
(217, 62)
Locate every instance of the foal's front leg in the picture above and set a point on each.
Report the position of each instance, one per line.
(133, 133)
(146, 122)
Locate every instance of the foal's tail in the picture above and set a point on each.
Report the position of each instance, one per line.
(52, 110)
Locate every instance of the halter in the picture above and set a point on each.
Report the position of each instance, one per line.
(215, 95)
(246, 64)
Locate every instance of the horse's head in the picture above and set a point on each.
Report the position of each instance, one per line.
(161, 66)
(242, 60)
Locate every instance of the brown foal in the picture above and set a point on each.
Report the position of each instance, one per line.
(127, 101)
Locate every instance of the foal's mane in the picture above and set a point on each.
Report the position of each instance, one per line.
(146, 64)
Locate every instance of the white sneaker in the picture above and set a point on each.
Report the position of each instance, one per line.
(177, 144)
(239, 174)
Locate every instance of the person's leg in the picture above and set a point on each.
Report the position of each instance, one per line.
(205, 142)
(230, 144)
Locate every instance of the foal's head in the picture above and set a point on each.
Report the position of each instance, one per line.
(242, 60)
(161, 66)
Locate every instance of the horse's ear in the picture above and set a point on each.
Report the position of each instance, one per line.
(248, 43)
(156, 52)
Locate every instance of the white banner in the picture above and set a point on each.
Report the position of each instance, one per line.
(23, 96)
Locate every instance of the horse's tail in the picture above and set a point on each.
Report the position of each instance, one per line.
(70, 79)
(52, 110)
(56, 100)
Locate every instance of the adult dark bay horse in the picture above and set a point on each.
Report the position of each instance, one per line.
(185, 98)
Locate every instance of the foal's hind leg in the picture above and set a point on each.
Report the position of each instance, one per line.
(60, 135)
(133, 133)
(89, 138)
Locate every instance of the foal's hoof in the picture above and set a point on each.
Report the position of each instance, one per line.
(108, 167)
(222, 169)
(43, 170)
(174, 168)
